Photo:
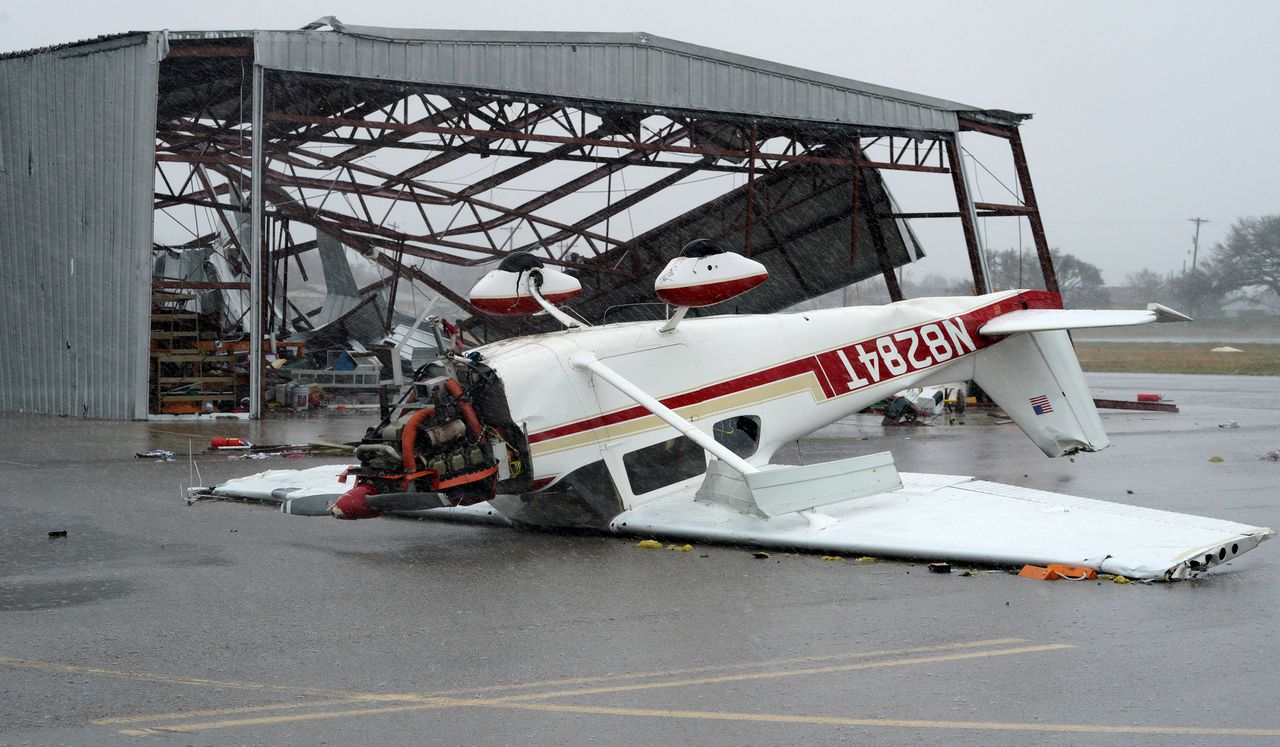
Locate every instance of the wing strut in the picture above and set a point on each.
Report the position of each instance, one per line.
(776, 490)
(621, 383)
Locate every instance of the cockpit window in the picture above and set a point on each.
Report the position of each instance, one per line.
(740, 434)
(663, 464)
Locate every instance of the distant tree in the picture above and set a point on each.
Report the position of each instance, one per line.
(1080, 282)
(1150, 286)
(1198, 292)
(1250, 255)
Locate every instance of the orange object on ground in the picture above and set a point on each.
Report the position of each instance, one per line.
(1038, 573)
(1074, 573)
(220, 442)
(1149, 397)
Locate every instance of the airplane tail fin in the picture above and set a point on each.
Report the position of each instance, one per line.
(1036, 378)
(1034, 375)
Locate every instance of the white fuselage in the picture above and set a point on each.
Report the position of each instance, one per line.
(795, 373)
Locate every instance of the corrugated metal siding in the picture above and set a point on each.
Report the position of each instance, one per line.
(617, 68)
(77, 152)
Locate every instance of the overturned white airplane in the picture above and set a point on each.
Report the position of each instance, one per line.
(667, 429)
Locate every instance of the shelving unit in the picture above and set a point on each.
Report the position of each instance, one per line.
(183, 375)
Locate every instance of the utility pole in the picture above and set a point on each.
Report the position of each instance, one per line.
(1195, 242)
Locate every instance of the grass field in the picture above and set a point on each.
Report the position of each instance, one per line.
(1182, 358)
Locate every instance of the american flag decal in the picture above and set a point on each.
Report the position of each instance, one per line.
(1041, 404)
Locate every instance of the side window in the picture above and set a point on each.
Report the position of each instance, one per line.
(740, 434)
(663, 464)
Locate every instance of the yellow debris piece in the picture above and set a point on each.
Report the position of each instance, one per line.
(649, 544)
(832, 557)
(1216, 459)
(864, 559)
(680, 548)
(1121, 580)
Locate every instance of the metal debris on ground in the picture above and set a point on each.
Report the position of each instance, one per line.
(162, 454)
(1271, 456)
(1229, 424)
(57, 533)
(939, 567)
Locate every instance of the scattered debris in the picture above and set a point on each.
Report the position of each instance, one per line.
(1129, 492)
(1229, 424)
(864, 559)
(760, 555)
(681, 548)
(1140, 404)
(966, 574)
(1216, 459)
(832, 557)
(1271, 456)
(1037, 573)
(939, 567)
(1117, 579)
(1073, 573)
(1226, 349)
(649, 544)
(252, 455)
(1055, 571)
(57, 533)
(162, 454)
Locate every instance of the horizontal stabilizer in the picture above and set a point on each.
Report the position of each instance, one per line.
(1044, 320)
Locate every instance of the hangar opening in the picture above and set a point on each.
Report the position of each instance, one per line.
(250, 197)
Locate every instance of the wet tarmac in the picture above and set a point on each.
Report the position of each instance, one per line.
(153, 622)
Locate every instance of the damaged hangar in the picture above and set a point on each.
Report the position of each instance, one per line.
(432, 154)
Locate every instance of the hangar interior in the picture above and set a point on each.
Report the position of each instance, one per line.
(431, 154)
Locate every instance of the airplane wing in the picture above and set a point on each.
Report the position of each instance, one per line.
(1044, 320)
(310, 492)
(931, 517)
(946, 517)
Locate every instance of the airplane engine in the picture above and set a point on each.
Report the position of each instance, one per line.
(449, 442)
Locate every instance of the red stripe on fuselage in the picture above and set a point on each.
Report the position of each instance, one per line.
(833, 376)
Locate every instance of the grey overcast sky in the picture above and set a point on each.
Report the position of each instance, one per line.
(1146, 113)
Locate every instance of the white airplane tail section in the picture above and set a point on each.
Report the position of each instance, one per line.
(1036, 378)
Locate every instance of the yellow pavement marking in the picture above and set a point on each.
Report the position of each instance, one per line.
(522, 700)
(179, 715)
(52, 666)
(531, 701)
(728, 667)
(345, 697)
(863, 665)
(287, 718)
(779, 718)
